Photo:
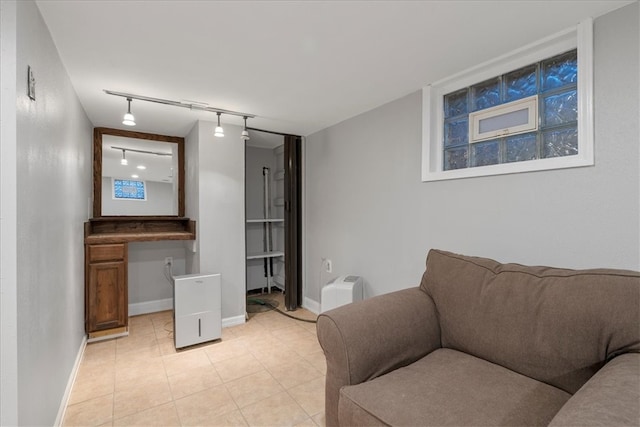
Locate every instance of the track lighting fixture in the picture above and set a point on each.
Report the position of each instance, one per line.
(128, 119)
(219, 132)
(124, 161)
(245, 133)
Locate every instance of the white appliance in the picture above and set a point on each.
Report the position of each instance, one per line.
(196, 309)
(340, 291)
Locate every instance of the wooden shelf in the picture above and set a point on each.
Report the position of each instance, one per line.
(138, 229)
(262, 255)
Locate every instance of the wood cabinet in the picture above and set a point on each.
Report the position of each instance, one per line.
(106, 306)
(106, 265)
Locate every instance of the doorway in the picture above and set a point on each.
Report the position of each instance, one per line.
(273, 218)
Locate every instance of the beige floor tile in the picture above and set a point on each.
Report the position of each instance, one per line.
(306, 423)
(276, 410)
(320, 419)
(292, 333)
(231, 419)
(161, 317)
(140, 371)
(253, 388)
(274, 357)
(92, 382)
(138, 343)
(248, 329)
(305, 345)
(166, 346)
(141, 329)
(294, 373)
(142, 376)
(184, 360)
(238, 367)
(310, 396)
(138, 396)
(318, 361)
(227, 334)
(193, 380)
(201, 408)
(163, 415)
(224, 350)
(92, 412)
(275, 321)
(100, 350)
(311, 327)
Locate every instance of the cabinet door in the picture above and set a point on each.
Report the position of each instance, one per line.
(107, 295)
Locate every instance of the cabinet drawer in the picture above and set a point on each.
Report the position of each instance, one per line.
(111, 252)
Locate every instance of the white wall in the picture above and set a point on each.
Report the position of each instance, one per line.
(368, 211)
(52, 150)
(218, 167)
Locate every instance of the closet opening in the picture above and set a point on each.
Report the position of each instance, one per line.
(273, 221)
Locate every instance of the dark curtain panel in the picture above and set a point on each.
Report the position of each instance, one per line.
(292, 217)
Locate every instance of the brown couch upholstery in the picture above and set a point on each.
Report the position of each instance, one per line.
(482, 343)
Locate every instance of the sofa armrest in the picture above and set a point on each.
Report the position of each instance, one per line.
(369, 338)
(610, 398)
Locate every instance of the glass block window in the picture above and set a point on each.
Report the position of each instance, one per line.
(555, 82)
(129, 189)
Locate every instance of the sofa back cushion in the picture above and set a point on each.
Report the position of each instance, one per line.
(555, 325)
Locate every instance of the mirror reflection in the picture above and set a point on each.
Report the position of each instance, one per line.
(139, 177)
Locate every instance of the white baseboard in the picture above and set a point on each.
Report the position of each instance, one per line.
(311, 305)
(233, 321)
(150, 306)
(72, 379)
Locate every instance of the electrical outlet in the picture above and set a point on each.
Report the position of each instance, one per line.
(328, 266)
(168, 261)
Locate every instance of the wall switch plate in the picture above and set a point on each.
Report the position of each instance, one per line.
(168, 261)
(328, 266)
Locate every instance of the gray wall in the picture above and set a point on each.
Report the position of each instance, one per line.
(53, 153)
(368, 211)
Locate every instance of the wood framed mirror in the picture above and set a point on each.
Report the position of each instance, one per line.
(137, 174)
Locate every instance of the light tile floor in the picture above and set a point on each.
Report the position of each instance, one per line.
(269, 371)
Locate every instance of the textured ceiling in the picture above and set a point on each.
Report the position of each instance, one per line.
(300, 66)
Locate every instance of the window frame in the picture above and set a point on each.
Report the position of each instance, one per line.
(113, 189)
(579, 37)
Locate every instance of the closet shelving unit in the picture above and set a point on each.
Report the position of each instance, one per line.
(269, 253)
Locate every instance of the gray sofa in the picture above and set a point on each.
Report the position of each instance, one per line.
(480, 343)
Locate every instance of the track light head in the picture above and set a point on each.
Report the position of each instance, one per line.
(219, 132)
(128, 118)
(245, 133)
(124, 161)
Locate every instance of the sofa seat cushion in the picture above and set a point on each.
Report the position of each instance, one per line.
(448, 387)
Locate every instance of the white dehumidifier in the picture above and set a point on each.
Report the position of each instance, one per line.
(340, 291)
(197, 314)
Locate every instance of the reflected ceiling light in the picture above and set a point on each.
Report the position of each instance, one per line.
(134, 176)
(245, 133)
(219, 132)
(128, 119)
(124, 161)
(141, 167)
